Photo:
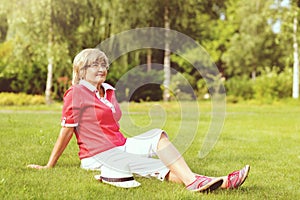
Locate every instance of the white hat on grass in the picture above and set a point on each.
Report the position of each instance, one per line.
(117, 178)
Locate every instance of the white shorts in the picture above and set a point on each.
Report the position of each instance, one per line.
(135, 156)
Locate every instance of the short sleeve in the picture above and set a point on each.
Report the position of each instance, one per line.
(71, 108)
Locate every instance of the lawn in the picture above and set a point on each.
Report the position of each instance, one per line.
(265, 136)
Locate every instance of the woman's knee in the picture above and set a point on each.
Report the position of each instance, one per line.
(163, 136)
(163, 141)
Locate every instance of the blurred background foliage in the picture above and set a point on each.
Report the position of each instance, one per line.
(251, 43)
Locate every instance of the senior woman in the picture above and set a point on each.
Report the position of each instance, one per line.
(91, 111)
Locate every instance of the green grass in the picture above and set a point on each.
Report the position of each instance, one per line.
(265, 136)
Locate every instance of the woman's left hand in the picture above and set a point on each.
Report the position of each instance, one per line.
(33, 166)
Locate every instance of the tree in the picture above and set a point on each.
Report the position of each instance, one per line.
(296, 5)
(238, 36)
(42, 40)
(49, 54)
(23, 71)
(167, 64)
(251, 45)
(289, 18)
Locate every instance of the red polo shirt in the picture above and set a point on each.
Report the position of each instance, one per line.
(95, 119)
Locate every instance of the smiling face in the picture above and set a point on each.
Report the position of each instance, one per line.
(90, 65)
(96, 73)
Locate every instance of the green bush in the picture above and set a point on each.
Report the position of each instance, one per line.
(239, 88)
(139, 85)
(181, 88)
(273, 85)
(270, 85)
(20, 99)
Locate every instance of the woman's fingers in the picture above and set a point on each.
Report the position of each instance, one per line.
(36, 166)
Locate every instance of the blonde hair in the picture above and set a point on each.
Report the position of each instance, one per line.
(83, 60)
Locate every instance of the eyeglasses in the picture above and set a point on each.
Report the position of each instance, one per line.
(97, 65)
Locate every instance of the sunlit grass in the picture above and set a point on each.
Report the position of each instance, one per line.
(265, 136)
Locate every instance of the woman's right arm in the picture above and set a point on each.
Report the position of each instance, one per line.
(62, 141)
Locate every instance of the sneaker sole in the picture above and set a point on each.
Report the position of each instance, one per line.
(245, 176)
(213, 185)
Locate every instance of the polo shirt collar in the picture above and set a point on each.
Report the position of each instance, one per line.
(107, 87)
(93, 88)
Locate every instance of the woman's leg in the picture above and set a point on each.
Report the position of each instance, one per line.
(173, 178)
(156, 142)
(179, 170)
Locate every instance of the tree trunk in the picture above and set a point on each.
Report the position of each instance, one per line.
(149, 60)
(49, 82)
(167, 63)
(253, 75)
(296, 61)
(50, 59)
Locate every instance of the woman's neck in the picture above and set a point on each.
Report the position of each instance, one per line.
(101, 90)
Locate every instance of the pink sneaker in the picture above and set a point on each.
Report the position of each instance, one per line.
(237, 178)
(204, 184)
